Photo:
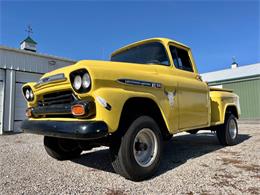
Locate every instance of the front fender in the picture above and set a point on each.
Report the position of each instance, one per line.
(116, 98)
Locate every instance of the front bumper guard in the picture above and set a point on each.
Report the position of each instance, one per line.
(66, 129)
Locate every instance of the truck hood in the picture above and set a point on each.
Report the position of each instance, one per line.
(104, 65)
(101, 70)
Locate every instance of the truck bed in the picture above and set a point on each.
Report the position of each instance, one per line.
(219, 89)
(221, 99)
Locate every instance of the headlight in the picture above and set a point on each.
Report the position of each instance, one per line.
(28, 93)
(86, 81)
(80, 81)
(77, 82)
(31, 94)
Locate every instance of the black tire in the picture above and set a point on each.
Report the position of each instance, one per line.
(122, 150)
(223, 132)
(193, 131)
(166, 135)
(61, 149)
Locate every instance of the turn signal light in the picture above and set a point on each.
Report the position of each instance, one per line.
(78, 110)
(28, 112)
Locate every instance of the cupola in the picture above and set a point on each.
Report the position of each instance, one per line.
(28, 44)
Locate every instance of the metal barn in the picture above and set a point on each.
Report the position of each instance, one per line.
(17, 67)
(245, 81)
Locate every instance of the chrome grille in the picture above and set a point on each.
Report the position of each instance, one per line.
(62, 97)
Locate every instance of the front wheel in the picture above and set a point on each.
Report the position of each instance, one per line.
(227, 133)
(136, 156)
(61, 149)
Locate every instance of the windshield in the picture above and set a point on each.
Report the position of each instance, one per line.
(149, 53)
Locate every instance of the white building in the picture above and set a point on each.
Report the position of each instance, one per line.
(19, 66)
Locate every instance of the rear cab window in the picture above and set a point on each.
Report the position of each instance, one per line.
(181, 58)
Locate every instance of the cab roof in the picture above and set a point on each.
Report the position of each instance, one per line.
(162, 40)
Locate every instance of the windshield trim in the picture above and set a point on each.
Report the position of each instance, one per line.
(143, 43)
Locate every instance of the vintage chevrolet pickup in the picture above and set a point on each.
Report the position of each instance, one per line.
(149, 91)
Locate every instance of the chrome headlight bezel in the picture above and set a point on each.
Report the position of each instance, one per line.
(28, 93)
(76, 82)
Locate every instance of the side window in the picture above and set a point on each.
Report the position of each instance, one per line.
(181, 58)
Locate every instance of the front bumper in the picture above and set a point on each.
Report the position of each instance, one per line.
(66, 129)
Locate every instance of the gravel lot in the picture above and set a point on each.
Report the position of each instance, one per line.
(192, 164)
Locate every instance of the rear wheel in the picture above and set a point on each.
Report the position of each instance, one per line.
(227, 133)
(136, 156)
(61, 149)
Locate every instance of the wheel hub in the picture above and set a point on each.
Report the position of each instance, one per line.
(139, 146)
(145, 147)
(232, 129)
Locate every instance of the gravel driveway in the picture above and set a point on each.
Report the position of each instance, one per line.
(192, 164)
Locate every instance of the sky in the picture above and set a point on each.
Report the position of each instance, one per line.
(215, 30)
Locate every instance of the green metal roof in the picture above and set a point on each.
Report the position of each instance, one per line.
(29, 40)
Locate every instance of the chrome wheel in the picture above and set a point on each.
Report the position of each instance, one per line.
(145, 147)
(232, 128)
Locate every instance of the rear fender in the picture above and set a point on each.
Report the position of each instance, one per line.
(220, 102)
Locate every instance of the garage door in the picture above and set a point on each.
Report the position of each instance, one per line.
(2, 78)
(20, 102)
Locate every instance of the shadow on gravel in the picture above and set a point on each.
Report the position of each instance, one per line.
(99, 160)
(11, 133)
(185, 147)
(176, 152)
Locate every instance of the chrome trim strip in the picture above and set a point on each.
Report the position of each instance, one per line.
(55, 78)
(140, 83)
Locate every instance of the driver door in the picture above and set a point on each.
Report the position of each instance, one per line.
(192, 91)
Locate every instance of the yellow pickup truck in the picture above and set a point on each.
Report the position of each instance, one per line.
(147, 92)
